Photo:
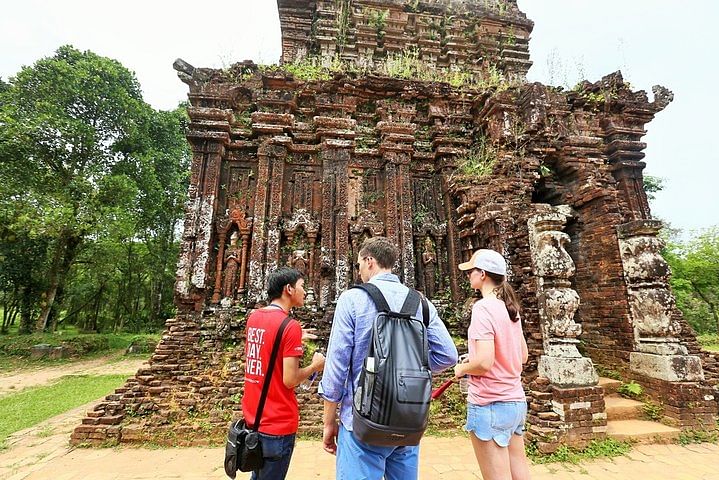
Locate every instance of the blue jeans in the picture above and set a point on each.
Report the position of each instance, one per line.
(277, 452)
(357, 460)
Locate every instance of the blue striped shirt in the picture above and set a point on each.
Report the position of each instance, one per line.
(351, 334)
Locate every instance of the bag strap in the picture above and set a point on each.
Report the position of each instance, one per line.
(270, 369)
(376, 296)
(425, 311)
(411, 303)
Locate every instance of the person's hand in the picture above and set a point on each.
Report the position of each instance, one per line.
(318, 362)
(458, 372)
(308, 334)
(459, 368)
(329, 437)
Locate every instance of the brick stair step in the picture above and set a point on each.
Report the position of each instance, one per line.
(620, 408)
(641, 431)
(609, 385)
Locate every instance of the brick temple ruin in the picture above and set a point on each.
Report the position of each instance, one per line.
(298, 171)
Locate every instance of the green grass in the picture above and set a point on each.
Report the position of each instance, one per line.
(15, 348)
(709, 341)
(607, 448)
(34, 405)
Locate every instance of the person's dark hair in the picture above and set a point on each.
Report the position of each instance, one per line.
(277, 280)
(381, 249)
(506, 293)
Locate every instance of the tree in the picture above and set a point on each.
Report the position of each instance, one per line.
(64, 124)
(695, 279)
(653, 185)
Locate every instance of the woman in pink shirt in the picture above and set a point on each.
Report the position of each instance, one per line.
(496, 405)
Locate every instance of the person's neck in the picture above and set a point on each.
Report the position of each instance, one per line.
(488, 291)
(383, 271)
(281, 302)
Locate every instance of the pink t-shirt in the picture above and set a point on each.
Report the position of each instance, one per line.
(503, 381)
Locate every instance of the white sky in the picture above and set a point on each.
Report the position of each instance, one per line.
(663, 42)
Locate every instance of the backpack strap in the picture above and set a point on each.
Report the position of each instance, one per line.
(411, 303)
(376, 296)
(268, 375)
(425, 311)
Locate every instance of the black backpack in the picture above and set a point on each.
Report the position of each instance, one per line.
(391, 403)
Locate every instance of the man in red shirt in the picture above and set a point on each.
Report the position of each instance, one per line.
(280, 416)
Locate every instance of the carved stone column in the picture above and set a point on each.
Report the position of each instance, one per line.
(337, 140)
(396, 147)
(659, 353)
(561, 363)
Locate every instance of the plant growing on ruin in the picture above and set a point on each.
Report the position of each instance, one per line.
(653, 411)
(690, 436)
(378, 20)
(500, 6)
(479, 161)
(631, 390)
(411, 6)
(343, 21)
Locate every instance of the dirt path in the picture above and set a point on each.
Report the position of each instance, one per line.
(14, 382)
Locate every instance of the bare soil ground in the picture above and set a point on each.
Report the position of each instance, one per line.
(11, 382)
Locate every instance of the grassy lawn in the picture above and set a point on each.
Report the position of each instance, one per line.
(15, 348)
(34, 405)
(709, 341)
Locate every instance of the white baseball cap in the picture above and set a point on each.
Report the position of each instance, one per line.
(487, 260)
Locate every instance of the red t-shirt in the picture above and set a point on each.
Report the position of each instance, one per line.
(280, 415)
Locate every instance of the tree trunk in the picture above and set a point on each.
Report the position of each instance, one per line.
(63, 257)
(712, 306)
(26, 309)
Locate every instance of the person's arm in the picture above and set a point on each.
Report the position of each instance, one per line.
(525, 350)
(480, 363)
(442, 350)
(335, 376)
(293, 375)
(330, 427)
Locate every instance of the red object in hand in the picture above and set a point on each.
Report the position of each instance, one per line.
(437, 392)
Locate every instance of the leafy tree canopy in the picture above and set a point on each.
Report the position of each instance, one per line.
(695, 278)
(85, 160)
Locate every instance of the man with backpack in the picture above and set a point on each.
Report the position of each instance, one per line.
(377, 371)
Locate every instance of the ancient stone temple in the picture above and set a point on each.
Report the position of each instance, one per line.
(413, 119)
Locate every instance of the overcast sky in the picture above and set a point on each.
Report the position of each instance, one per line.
(665, 42)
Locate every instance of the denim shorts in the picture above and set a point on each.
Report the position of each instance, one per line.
(496, 421)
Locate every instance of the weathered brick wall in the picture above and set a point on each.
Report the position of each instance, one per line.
(461, 34)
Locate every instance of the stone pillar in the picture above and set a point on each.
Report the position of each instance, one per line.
(209, 136)
(561, 362)
(658, 351)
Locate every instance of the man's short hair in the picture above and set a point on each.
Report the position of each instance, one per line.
(277, 280)
(381, 249)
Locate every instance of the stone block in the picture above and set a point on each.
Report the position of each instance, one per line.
(671, 368)
(568, 372)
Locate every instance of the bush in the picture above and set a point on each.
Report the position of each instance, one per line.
(84, 344)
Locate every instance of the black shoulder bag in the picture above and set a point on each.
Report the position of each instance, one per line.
(243, 450)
